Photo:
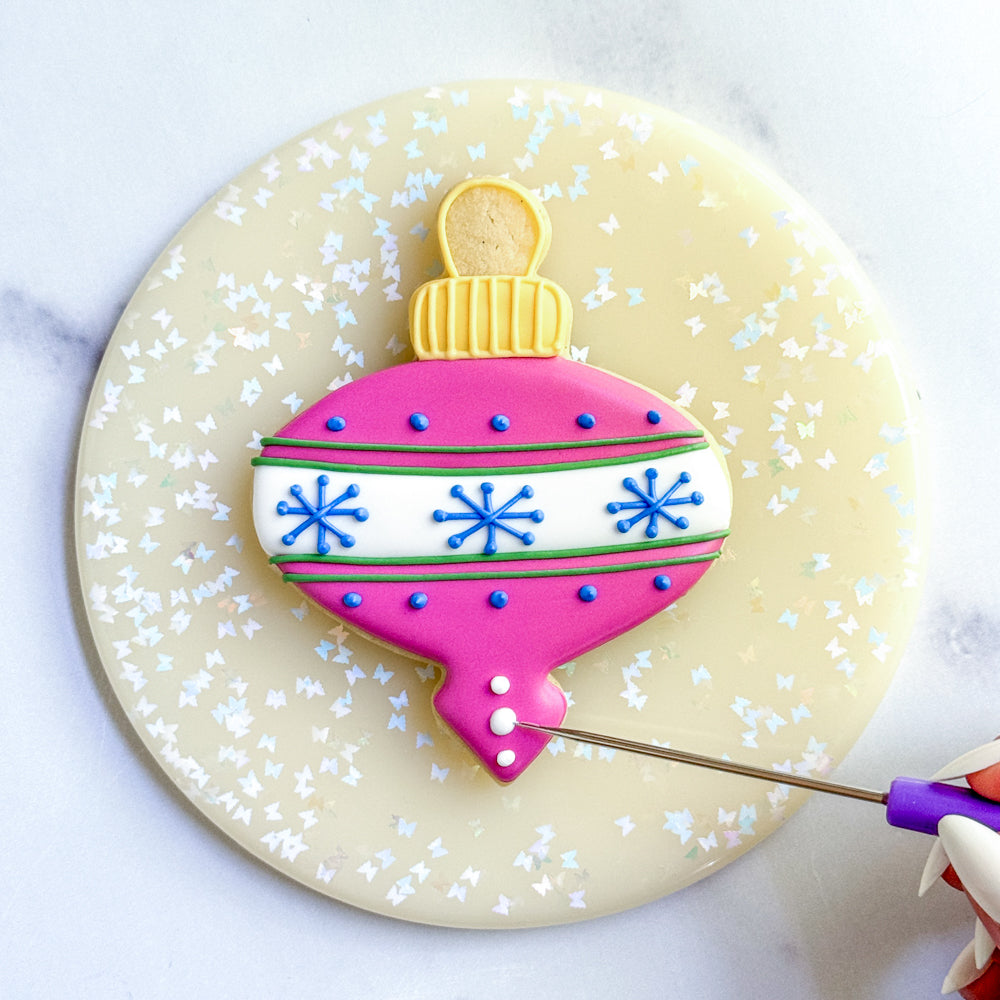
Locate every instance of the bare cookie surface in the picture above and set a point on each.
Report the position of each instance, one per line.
(491, 230)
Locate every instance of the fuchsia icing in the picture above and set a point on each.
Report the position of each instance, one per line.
(542, 400)
(520, 612)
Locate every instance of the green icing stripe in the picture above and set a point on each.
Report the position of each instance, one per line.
(459, 449)
(599, 550)
(528, 574)
(408, 470)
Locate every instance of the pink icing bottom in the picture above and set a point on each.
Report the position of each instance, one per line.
(543, 624)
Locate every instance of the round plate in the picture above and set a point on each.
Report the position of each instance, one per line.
(691, 270)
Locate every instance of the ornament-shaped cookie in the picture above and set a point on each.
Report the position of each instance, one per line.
(493, 507)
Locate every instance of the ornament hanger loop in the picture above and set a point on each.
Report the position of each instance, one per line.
(490, 225)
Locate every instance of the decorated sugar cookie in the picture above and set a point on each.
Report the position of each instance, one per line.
(493, 506)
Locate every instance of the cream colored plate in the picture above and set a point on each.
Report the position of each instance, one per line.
(690, 270)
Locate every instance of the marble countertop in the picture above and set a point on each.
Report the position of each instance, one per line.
(120, 120)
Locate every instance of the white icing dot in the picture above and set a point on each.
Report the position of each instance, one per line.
(503, 721)
(505, 758)
(500, 684)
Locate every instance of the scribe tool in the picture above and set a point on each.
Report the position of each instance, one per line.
(910, 803)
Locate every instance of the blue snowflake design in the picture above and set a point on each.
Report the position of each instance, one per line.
(651, 506)
(318, 514)
(489, 520)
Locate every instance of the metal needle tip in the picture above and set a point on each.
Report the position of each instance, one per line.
(714, 763)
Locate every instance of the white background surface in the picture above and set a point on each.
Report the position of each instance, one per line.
(117, 120)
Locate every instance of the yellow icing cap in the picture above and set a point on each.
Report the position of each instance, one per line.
(493, 234)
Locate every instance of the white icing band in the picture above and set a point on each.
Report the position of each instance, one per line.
(503, 721)
(500, 684)
(506, 757)
(400, 508)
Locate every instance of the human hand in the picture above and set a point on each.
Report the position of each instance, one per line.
(967, 856)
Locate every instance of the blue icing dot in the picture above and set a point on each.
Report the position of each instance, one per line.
(654, 416)
(336, 423)
(500, 422)
(419, 421)
(662, 582)
(586, 420)
(352, 600)
(588, 593)
(418, 600)
(499, 599)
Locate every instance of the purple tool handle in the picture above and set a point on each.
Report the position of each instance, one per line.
(918, 805)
